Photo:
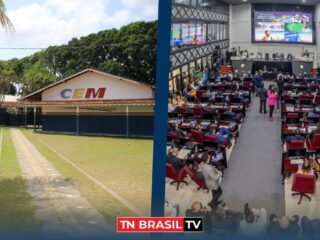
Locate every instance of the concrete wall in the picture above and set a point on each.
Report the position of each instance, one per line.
(240, 35)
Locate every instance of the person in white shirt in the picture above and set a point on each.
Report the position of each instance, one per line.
(254, 223)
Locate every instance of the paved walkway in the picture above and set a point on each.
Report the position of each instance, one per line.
(59, 206)
(254, 172)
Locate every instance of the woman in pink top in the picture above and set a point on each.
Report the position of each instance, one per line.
(272, 101)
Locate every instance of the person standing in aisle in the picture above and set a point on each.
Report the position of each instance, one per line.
(258, 82)
(263, 94)
(272, 101)
(280, 84)
(212, 179)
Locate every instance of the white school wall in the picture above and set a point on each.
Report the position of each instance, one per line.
(115, 87)
(240, 35)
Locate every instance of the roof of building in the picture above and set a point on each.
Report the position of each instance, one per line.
(32, 95)
(114, 102)
(10, 98)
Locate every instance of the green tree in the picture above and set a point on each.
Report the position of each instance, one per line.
(4, 20)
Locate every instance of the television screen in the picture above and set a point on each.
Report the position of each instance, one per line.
(282, 26)
(186, 34)
(176, 38)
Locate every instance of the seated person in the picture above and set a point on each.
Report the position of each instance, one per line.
(225, 219)
(295, 137)
(186, 90)
(197, 210)
(171, 105)
(172, 128)
(197, 170)
(223, 135)
(171, 210)
(283, 227)
(310, 228)
(207, 94)
(236, 116)
(173, 159)
(254, 223)
(309, 167)
(192, 92)
(218, 218)
(313, 113)
(235, 85)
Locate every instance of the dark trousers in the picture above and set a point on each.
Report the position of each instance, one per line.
(279, 99)
(263, 103)
(271, 111)
(216, 194)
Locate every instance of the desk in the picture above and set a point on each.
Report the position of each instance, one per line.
(269, 76)
(291, 131)
(284, 65)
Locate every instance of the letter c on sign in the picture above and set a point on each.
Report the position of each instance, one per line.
(66, 93)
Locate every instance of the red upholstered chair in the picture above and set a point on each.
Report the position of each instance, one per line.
(246, 85)
(172, 173)
(305, 97)
(293, 115)
(289, 86)
(196, 136)
(199, 93)
(314, 143)
(303, 184)
(174, 136)
(197, 112)
(295, 144)
(187, 171)
(210, 142)
(317, 99)
(221, 86)
(182, 110)
(286, 96)
(290, 168)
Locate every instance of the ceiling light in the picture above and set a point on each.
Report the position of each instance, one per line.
(304, 1)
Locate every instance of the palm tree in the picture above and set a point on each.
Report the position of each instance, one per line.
(4, 20)
(8, 26)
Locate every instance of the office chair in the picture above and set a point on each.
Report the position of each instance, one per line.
(201, 184)
(314, 143)
(196, 137)
(173, 174)
(303, 184)
(197, 112)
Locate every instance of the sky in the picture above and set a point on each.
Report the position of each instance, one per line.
(43, 23)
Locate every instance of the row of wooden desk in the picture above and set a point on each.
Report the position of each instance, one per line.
(297, 124)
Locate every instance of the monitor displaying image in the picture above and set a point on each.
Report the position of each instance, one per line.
(186, 34)
(281, 26)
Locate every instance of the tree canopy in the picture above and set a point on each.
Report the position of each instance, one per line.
(127, 52)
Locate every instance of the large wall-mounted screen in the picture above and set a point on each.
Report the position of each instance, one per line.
(187, 34)
(283, 27)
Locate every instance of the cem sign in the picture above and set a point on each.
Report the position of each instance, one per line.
(83, 93)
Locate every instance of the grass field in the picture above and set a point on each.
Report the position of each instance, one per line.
(123, 165)
(16, 208)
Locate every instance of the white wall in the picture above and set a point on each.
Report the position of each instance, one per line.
(115, 88)
(240, 35)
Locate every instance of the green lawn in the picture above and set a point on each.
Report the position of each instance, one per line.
(16, 208)
(124, 165)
